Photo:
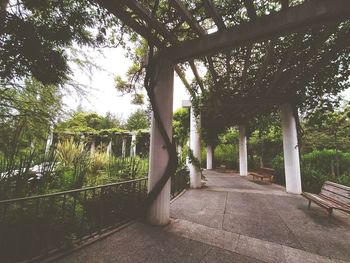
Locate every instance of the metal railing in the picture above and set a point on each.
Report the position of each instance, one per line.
(36, 225)
(41, 224)
(179, 182)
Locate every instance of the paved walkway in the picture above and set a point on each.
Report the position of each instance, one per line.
(231, 220)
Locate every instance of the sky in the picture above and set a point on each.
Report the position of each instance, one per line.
(102, 96)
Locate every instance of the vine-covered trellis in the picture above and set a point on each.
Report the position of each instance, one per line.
(121, 144)
(261, 54)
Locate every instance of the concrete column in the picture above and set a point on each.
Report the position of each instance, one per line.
(243, 156)
(209, 157)
(92, 148)
(159, 212)
(49, 143)
(124, 147)
(195, 146)
(133, 145)
(187, 157)
(290, 150)
(109, 148)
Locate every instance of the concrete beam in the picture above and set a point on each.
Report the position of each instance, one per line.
(290, 19)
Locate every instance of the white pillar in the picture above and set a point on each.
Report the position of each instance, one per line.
(49, 143)
(159, 212)
(109, 147)
(92, 148)
(209, 157)
(187, 157)
(133, 145)
(195, 146)
(124, 147)
(290, 150)
(243, 157)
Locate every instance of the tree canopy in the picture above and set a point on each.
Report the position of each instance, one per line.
(34, 36)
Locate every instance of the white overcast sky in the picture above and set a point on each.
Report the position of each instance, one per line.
(102, 96)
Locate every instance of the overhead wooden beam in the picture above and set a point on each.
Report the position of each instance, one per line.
(295, 71)
(285, 4)
(196, 75)
(289, 54)
(186, 15)
(147, 16)
(249, 5)
(309, 13)
(116, 8)
(212, 69)
(182, 76)
(214, 14)
(246, 65)
(266, 61)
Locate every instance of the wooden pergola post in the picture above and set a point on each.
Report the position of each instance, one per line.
(159, 212)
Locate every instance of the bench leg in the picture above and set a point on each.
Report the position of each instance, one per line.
(309, 204)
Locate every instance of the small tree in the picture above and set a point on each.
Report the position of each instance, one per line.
(137, 121)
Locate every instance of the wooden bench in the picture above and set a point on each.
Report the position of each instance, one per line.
(264, 173)
(332, 196)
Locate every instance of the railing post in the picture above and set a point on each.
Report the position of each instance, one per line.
(159, 212)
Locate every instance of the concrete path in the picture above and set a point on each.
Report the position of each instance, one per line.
(231, 220)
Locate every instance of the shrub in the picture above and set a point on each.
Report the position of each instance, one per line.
(316, 168)
(226, 154)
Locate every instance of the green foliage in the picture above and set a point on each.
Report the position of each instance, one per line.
(137, 121)
(34, 35)
(327, 128)
(226, 154)
(181, 126)
(70, 153)
(89, 122)
(316, 168)
(26, 115)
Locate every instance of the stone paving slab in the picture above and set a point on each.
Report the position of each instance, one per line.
(243, 245)
(142, 243)
(231, 220)
(267, 212)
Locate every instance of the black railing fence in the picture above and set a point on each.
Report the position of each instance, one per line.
(179, 182)
(38, 225)
(35, 225)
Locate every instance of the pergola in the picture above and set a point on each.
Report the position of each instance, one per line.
(235, 25)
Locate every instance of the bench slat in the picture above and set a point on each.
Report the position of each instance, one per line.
(317, 199)
(332, 195)
(344, 187)
(335, 196)
(336, 202)
(326, 203)
(336, 190)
